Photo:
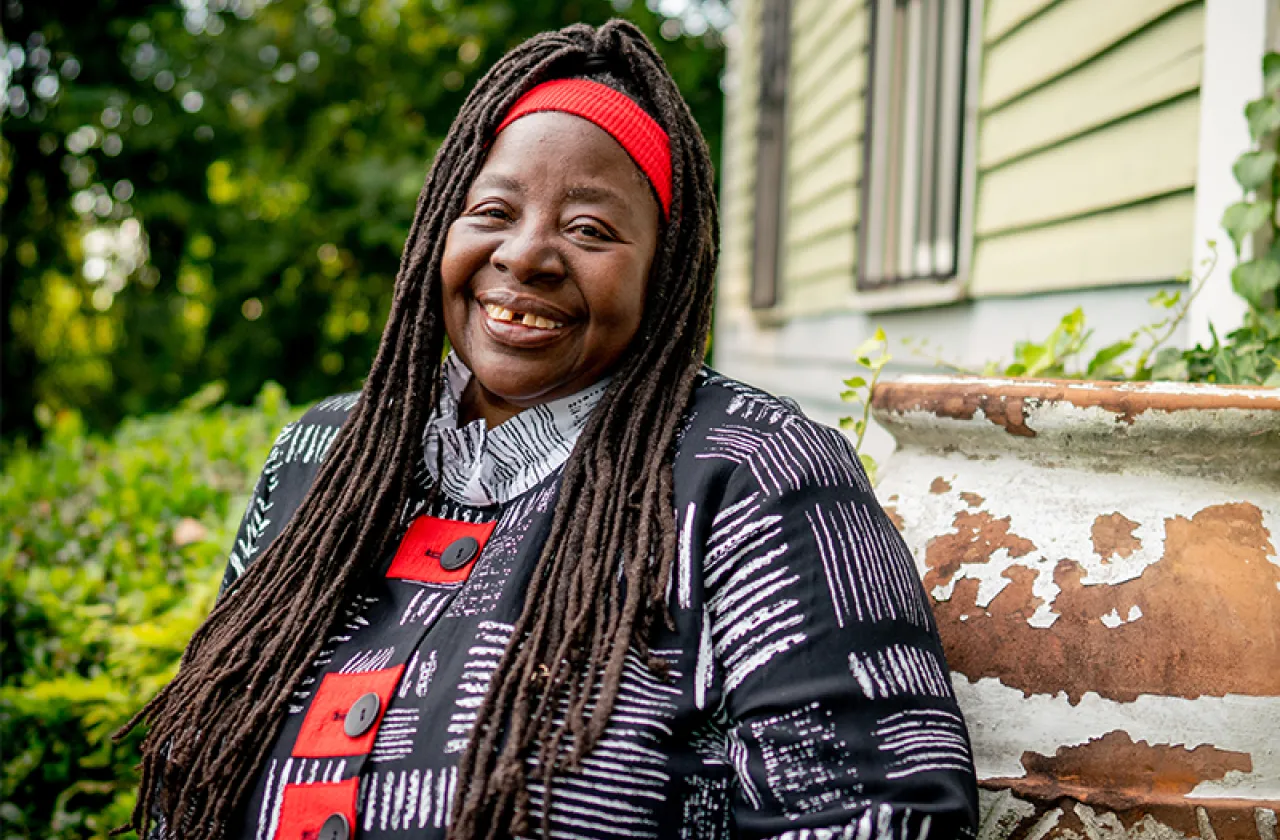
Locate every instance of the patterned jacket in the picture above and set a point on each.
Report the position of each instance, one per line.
(807, 695)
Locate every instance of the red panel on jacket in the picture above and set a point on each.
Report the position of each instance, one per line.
(323, 732)
(305, 808)
(425, 544)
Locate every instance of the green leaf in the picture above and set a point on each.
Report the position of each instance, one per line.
(867, 347)
(870, 466)
(1107, 355)
(855, 382)
(1254, 169)
(1263, 116)
(859, 428)
(1244, 218)
(1170, 365)
(1271, 73)
(1073, 321)
(846, 423)
(1255, 279)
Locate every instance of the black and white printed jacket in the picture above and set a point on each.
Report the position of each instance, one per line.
(807, 696)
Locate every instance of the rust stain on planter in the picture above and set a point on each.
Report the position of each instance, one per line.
(896, 518)
(1211, 598)
(1207, 819)
(1113, 536)
(973, 500)
(1002, 401)
(977, 537)
(1116, 773)
(940, 485)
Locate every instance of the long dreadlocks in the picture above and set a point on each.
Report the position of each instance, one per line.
(212, 726)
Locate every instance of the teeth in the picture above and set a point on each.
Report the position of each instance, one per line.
(500, 313)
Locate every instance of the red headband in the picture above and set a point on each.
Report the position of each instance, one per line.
(616, 113)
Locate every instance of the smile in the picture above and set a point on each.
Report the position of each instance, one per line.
(528, 319)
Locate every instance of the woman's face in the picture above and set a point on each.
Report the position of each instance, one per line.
(544, 273)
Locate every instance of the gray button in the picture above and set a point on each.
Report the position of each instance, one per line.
(361, 716)
(459, 553)
(335, 828)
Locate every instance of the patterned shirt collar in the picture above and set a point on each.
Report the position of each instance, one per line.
(481, 466)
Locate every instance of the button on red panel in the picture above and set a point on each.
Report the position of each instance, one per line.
(427, 541)
(323, 732)
(305, 807)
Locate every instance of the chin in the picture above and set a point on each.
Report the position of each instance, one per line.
(518, 387)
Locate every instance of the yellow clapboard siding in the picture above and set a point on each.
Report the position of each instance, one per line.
(844, 54)
(841, 166)
(841, 124)
(1150, 154)
(808, 36)
(1058, 40)
(1003, 15)
(1161, 63)
(803, 13)
(821, 294)
(831, 253)
(1150, 241)
(845, 85)
(836, 210)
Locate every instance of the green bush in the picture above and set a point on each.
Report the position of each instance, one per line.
(111, 552)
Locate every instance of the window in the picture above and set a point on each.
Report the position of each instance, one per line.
(911, 189)
(771, 132)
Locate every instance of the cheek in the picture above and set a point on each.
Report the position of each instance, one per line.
(453, 262)
(626, 304)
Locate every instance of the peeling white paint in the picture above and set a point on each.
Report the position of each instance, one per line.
(1004, 723)
(1067, 502)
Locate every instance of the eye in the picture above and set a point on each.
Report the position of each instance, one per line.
(491, 210)
(592, 230)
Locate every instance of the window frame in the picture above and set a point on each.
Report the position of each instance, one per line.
(874, 289)
(770, 188)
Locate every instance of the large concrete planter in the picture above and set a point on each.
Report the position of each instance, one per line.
(1104, 561)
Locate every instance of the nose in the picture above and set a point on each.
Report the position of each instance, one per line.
(530, 252)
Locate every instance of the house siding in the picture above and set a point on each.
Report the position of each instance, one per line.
(1088, 125)
(825, 117)
(1087, 113)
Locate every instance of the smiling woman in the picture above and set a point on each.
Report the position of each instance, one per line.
(569, 582)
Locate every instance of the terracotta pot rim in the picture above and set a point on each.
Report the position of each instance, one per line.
(957, 395)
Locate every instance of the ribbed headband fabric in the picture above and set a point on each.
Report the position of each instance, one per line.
(616, 113)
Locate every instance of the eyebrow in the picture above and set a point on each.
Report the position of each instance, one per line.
(584, 193)
(502, 182)
(594, 195)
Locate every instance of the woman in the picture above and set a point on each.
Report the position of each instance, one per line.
(568, 583)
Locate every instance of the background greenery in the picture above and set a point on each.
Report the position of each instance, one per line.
(218, 190)
(111, 554)
(195, 197)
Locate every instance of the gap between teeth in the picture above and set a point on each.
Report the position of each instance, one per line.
(499, 313)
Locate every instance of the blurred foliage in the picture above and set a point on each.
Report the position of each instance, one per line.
(111, 551)
(218, 190)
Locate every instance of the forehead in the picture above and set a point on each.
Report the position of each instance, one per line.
(555, 149)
